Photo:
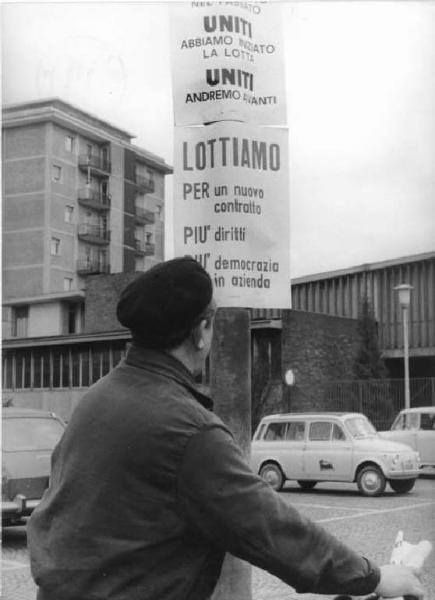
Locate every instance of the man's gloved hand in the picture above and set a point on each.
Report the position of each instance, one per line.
(398, 580)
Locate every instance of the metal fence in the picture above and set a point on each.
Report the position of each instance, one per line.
(379, 399)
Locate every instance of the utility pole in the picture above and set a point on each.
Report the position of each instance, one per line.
(231, 393)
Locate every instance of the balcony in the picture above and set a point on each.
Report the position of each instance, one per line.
(145, 185)
(94, 234)
(100, 167)
(94, 199)
(92, 267)
(142, 216)
(144, 248)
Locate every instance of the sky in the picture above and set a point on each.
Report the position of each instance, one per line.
(360, 82)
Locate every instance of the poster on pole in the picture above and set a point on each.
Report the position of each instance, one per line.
(231, 210)
(227, 62)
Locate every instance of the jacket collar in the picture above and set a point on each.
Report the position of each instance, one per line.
(167, 365)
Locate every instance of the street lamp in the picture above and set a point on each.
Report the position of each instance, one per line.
(404, 292)
(289, 379)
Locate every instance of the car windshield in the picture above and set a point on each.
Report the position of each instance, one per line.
(27, 433)
(360, 427)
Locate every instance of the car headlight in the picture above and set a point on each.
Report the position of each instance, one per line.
(395, 460)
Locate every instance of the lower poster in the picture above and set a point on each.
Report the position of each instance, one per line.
(231, 210)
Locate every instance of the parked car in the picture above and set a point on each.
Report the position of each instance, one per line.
(314, 447)
(29, 437)
(416, 428)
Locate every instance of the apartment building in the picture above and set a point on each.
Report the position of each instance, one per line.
(79, 199)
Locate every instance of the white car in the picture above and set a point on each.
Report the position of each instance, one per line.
(416, 428)
(314, 447)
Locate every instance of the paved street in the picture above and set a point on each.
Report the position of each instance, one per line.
(367, 524)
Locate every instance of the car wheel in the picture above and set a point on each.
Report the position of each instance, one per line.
(306, 485)
(401, 486)
(371, 481)
(273, 475)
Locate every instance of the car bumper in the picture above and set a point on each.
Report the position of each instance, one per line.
(403, 474)
(19, 507)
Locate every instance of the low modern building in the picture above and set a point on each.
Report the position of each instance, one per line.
(339, 293)
(319, 347)
(79, 198)
(52, 372)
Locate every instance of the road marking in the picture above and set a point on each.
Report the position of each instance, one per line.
(10, 565)
(376, 512)
(329, 507)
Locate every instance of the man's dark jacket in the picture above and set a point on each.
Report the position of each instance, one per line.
(149, 490)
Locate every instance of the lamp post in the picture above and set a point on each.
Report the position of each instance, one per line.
(289, 379)
(404, 292)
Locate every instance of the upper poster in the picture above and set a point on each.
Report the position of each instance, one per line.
(227, 63)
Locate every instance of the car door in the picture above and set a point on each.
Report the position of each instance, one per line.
(405, 428)
(283, 442)
(294, 447)
(328, 452)
(426, 438)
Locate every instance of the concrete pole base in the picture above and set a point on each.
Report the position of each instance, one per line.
(231, 392)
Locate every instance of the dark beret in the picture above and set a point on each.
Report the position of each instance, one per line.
(163, 304)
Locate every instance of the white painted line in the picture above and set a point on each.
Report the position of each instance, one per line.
(10, 565)
(330, 507)
(343, 517)
(376, 512)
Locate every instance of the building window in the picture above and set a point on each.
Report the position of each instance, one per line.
(72, 314)
(89, 149)
(67, 284)
(20, 321)
(23, 369)
(148, 237)
(72, 325)
(105, 156)
(57, 173)
(55, 246)
(69, 210)
(69, 143)
(63, 366)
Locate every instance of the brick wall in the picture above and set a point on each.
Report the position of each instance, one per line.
(102, 294)
(24, 141)
(26, 175)
(20, 210)
(29, 283)
(319, 349)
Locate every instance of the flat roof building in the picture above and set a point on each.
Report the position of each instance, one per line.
(339, 293)
(79, 198)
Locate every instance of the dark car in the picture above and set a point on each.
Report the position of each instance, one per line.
(28, 439)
